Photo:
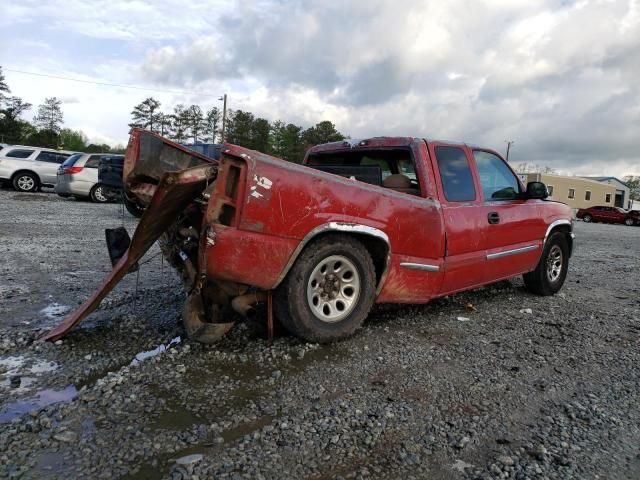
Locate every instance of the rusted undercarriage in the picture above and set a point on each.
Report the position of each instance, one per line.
(174, 185)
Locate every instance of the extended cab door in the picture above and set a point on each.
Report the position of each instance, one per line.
(514, 228)
(462, 211)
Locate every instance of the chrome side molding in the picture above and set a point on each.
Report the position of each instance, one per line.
(515, 251)
(420, 266)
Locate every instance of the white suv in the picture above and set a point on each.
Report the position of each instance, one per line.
(29, 168)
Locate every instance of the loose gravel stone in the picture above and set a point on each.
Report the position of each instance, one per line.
(548, 393)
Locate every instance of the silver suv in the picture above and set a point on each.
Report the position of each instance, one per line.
(29, 168)
(78, 177)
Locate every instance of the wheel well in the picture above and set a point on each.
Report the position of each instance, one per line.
(26, 171)
(377, 248)
(566, 229)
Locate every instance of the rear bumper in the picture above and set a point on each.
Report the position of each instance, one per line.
(66, 186)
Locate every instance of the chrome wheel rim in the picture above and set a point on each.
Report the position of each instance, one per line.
(333, 288)
(554, 263)
(587, 218)
(26, 183)
(99, 195)
(628, 221)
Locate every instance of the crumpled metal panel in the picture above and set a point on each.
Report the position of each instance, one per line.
(173, 194)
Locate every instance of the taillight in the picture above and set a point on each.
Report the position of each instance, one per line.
(73, 169)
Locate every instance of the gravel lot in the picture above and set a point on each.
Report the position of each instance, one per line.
(527, 387)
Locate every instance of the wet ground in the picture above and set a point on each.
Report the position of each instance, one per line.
(522, 387)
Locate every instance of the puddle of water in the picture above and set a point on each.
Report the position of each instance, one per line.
(42, 399)
(53, 311)
(142, 356)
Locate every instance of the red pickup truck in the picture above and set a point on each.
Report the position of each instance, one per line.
(402, 220)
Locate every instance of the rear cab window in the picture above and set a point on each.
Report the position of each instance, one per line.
(19, 153)
(392, 168)
(455, 174)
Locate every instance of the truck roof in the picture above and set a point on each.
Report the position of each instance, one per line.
(378, 142)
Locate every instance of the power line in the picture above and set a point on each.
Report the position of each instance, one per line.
(133, 87)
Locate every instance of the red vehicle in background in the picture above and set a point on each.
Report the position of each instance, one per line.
(609, 215)
(385, 219)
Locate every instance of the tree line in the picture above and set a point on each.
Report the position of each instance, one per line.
(46, 128)
(192, 124)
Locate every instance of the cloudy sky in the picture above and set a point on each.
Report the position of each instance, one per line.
(561, 78)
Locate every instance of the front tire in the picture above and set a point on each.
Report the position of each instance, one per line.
(629, 222)
(551, 272)
(329, 291)
(587, 218)
(26, 182)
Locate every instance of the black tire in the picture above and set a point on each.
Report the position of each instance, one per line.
(25, 182)
(587, 218)
(546, 279)
(132, 207)
(97, 195)
(348, 267)
(629, 222)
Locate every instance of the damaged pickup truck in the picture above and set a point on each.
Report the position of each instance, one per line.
(401, 220)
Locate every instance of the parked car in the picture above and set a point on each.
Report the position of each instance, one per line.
(606, 214)
(110, 178)
(78, 177)
(29, 168)
(400, 220)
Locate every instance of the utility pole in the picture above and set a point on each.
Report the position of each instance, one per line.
(224, 116)
(509, 143)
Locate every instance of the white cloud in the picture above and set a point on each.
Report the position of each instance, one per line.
(560, 78)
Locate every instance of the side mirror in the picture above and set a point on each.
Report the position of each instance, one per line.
(537, 190)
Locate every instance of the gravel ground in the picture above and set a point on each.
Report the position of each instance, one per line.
(527, 387)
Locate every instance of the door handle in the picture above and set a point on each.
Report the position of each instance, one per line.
(493, 218)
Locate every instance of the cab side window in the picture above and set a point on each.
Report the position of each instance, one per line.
(497, 180)
(455, 173)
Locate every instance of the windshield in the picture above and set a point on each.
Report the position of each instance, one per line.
(71, 160)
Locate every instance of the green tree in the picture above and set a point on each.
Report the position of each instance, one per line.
(146, 115)
(164, 124)
(97, 148)
(212, 121)
(43, 137)
(633, 182)
(286, 141)
(15, 106)
(195, 122)
(74, 140)
(50, 115)
(323, 132)
(4, 88)
(179, 128)
(239, 126)
(260, 130)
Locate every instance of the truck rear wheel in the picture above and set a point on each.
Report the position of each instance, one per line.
(329, 291)
(549, 275)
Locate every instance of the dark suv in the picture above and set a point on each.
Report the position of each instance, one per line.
(609, 215)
